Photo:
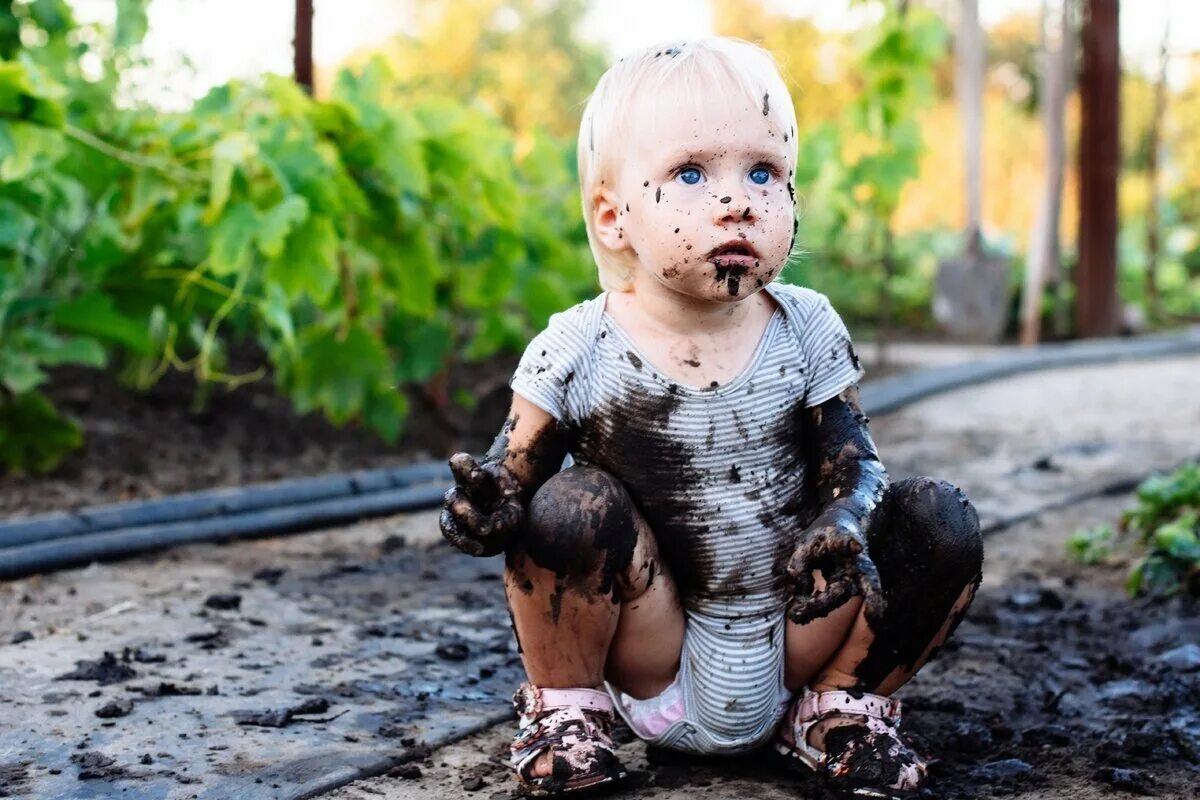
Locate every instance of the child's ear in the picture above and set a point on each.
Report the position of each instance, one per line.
(608, 221)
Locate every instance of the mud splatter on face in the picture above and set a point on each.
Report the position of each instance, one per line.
(766, 103)
(731, 275)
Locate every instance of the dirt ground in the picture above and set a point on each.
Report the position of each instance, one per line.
(1056, 685)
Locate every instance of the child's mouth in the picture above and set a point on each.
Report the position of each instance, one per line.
(737, 253)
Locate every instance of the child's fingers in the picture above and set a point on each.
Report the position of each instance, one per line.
(453, 534)
(468, 519)
(871, 589)
(805, 609)
(506, 518)
(461, 466)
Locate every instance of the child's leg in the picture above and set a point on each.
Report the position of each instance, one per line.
(925, 542)
(588, 593)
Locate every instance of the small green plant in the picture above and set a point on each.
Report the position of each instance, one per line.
(1164, 526)
(1092, 545)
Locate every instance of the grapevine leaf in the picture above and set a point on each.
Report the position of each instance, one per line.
(34, 437)
(278, 223)
(385, 412)
(231, 152)
(94, 315)
(336, 374)
(19, 371)
(233, 240)
(309, 261)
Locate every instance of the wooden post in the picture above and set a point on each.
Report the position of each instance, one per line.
(302, 45)
(1043, 259)
(1153, 213)
(1097, 312)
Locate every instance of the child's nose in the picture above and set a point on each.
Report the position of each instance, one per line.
(734, 207)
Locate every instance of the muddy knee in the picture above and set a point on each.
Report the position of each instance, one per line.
(580, 526)
(933, 528)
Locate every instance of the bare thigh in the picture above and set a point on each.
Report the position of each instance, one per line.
(644, 656)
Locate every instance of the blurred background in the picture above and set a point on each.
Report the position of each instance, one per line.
(290, 217)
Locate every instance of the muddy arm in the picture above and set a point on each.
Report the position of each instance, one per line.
(850, 481)
(487, 504)
(530, 445)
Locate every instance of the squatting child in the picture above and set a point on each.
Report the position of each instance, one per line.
(698, 532)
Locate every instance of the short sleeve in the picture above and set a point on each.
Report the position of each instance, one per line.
(551, 369)
(833, 364)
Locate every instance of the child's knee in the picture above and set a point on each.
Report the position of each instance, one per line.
(581, 524)
(933, 521)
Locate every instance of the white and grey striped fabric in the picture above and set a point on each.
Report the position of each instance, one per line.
(718, 472)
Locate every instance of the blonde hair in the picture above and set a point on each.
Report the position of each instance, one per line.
(712, 69)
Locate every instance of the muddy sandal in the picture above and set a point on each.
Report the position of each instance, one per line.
(575, 725)
(871, 759)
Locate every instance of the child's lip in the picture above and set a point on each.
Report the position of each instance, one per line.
(728, 250)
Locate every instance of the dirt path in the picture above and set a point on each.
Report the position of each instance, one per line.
(1056, 680)
(1056, 686)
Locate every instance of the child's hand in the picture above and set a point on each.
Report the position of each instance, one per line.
(836, 548)
(483, 509)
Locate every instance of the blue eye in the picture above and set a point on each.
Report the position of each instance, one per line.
(690, 175)
(760, 175)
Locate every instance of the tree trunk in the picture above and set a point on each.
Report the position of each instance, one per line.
(1097, 310)
(1043, 263)
(1153, 214)
(302, 45)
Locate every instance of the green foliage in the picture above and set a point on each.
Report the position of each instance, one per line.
(850, 173)
(362, 242)
(1165, 528)
(1092, 545)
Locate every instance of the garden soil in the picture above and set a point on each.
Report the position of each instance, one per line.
(345, 645)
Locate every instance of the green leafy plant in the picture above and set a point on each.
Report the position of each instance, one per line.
(365, 244)
(851, 173)
(1164, 527)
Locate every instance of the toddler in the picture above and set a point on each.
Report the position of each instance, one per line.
(698, 532)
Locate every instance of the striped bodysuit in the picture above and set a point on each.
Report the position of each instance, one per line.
(718, 473)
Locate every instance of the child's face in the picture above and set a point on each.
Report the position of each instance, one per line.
(710, 207)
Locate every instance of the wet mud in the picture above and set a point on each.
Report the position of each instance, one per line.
(1045, 691)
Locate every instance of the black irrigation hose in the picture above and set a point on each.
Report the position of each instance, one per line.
(54, 541)
(293, 518)
(890, 394)
(215, 503)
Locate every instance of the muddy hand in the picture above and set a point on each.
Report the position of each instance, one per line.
(482, 510)
(836, 549)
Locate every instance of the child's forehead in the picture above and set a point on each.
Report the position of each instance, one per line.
(708, 130)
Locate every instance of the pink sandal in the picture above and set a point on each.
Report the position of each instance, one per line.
(575, 725)
(871, 759)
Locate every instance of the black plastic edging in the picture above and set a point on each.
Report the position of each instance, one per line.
(890, 394)
(71, 551)
(215, 503)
